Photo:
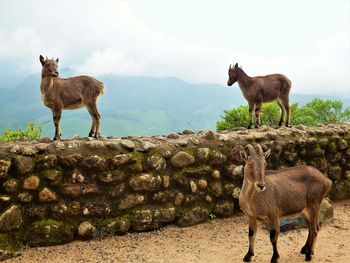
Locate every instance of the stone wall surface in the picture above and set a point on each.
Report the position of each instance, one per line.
(55, 192)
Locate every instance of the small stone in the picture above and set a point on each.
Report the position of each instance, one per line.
(128, 144)
(4, 198)
(23, 164)
(208, 199)
(27, 151)
(202, 183)
(223, 209)
(49, 162)
(182, 142)
(203, 154)
(15, 149)
(11, 185)
(117, 190)
(235, 172)
(46, 195)
(86, 230)
(31, 182)
(145, 182)
(188, 132)
(217, 188)
(93, 145)
(209, 135)
(123, 159)
(113, 176)
(71, 160)
(147, 146)
(59, 145)
(4, 168)
(156, 162)
(216, 174)
(166, 181)
(179, 198)
(25, 197)
(334, 172)
(198, 171)
(86, 211)
(193, 186)
(95, 162)
(173, 135)
(130, 201)
(11, 219)
(54, 176)
(218, 158)
(77, 176)
(76, 190)
(182, 159)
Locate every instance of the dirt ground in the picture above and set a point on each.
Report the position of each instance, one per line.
(222, 240)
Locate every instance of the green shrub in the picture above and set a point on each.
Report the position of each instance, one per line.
(315, 112)
(31, 132)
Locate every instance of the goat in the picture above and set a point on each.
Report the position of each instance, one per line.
(71, 93)
(261, 89)
(269, 195)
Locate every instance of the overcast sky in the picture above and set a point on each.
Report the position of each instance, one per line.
(309, 41)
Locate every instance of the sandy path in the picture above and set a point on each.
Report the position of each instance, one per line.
(223, 240)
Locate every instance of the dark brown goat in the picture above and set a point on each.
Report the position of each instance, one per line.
(268, 196)
(71, 93)
(261, 89)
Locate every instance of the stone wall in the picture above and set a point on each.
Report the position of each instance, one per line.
(54, 192)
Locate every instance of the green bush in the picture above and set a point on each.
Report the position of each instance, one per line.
(31, 132)
(315, 112)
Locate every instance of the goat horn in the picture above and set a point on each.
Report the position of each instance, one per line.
(252, 152)
(260, 150)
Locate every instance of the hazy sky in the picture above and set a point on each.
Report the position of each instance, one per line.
(309, 41)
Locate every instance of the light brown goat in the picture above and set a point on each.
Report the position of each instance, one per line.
(269, 195)
(261, 89)
(71, 93)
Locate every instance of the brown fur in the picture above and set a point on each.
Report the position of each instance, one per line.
(269, 195)
(71, 93)
(261, 89)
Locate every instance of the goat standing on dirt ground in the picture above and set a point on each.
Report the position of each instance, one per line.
(269, 195)
(261, 89)
(71, 93)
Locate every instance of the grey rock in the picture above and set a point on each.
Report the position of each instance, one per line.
(11, 219)
(146, 182)
(4, 168)
(182, 159)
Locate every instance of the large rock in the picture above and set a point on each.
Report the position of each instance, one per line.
(11, 219)
(46, 195)
(123, 159)
(130, 201)
(49, 232)
(95, 163)
(194, 216)
(76, 190)
(156, 162)
(182, 159)
(116, 176)
(31, 182)
(86, 230)
(23, 164)
(146, 182)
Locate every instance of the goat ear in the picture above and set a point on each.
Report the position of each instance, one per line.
(42, 60)
(267, 153)
(243, 154)
(57, 60)
(236, 66)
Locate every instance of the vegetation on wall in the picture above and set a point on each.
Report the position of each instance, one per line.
(315, 112)
(30, 132)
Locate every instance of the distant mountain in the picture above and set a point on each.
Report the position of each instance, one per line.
(130, 106)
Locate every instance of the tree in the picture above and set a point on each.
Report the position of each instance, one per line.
(315, 112)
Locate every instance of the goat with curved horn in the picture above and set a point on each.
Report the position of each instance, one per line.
(268, 195)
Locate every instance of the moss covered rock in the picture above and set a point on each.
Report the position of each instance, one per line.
(11, 219)
(49, 232)
(194, 216)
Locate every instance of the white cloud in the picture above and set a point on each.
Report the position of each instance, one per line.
(107, 38)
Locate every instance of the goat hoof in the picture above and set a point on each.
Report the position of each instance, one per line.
(57, 138)
(91, 134)
(249, 126)
(304, 250)
(248, 257)
(308, 257)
